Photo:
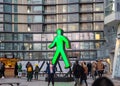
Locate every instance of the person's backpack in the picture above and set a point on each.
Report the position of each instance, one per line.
(29, 69)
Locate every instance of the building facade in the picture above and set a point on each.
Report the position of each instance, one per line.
(112, 24)
(27, 27)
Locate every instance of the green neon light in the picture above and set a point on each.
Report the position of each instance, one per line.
(60, 42)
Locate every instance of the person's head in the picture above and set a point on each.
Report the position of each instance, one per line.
(76, 61)
(50, 62)
(59, 31)
(103, 81)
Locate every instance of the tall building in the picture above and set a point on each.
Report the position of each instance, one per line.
(27, 27)
(112, 25)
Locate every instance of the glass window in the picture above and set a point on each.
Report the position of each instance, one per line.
(1, 0)
(28, 37)
(98, 16)
(81, 45)
(50, 37)
(86, 0)
(73, 27)
(37, 9)
(73, 17)
(50, 1)
(20, 37)
(62, 18)
(8, 46)
(73, 1)
(98, 26)
(86, 26)
(86, 36)
(51, 18)
(50, 54)
(36, 37)
(8, 37)
(75, 36)
(73, 8)
(37, 55)
(7, 27)
(37, 46)
(61, 1)
(91, 35)
(37, 1)
(28, 46)
(8, 8)
(36, 28)
(81, 36)
(99, 0)
(1, 27)
(50, 9)
(68, 35)
(44, 46)
(99, 7)
(118, 6)
(86, 17)
(50, 28)
(22, 28)
(37, 18)
(92, 45)
(86, 7)
(75, 46)
(1, 8)
(7, 18)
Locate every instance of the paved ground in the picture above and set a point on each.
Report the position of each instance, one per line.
(42, 82)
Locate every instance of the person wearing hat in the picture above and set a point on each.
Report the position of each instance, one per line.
(36, 71)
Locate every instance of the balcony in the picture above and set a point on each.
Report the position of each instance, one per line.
(112, 14)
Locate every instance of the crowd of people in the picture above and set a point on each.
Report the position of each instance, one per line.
(80, 71)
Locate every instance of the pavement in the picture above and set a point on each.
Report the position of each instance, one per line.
(41, 81)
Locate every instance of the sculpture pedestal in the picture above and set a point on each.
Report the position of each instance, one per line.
(62, 79)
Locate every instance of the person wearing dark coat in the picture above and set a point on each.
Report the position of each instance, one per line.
(16, 70)
(50, 70)
(77, 71)
(3, 70)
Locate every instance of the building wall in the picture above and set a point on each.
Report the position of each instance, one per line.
(34, 22)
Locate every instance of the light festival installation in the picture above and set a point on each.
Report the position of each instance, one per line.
(60, 42)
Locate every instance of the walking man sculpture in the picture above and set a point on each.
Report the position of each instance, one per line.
(60, 42)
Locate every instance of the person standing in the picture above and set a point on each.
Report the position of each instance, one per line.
(16, 70)
(89, 65)
(0, 69)
(19, 70)
(93, 71)
(84, 75)
(3, 70)
(50, 70)
(29, 71)
(100, 68)
(36, 71)
(77, 71)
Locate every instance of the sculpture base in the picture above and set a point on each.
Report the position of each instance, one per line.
(62, 79)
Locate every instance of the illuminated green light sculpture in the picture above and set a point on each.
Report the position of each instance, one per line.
(60, 42)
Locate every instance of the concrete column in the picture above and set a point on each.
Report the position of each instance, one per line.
(116, 63)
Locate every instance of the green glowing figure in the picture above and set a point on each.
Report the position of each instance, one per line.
(60, 42)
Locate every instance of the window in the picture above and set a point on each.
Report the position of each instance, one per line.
(73, 8)
(98, 16)
(73, 17)
(98, 7)
(73, 27)
(37, 18)
(98, 26)
(37, 9)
